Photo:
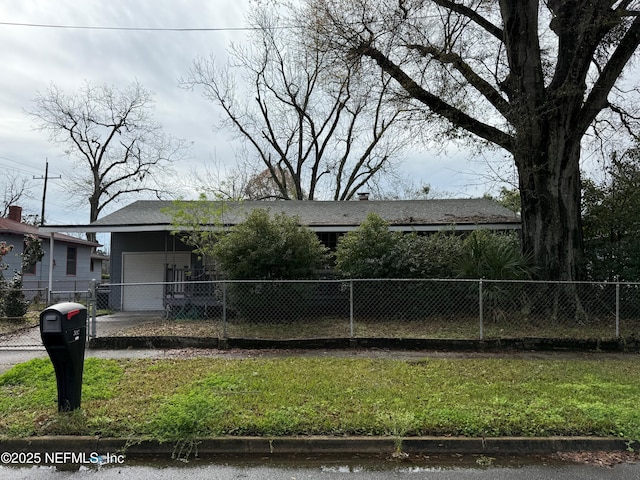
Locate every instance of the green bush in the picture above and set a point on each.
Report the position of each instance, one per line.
(431, 256)
(494, 256)
(371, 251)
(266, 248)
(15, 303)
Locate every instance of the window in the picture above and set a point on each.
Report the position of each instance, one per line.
(31, 269)
(329, 239)
(72, 260)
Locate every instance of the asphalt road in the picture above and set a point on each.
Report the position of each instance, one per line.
(331, 472)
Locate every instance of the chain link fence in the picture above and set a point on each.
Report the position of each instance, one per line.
(21, 330)
(319, 309)
(374, 308)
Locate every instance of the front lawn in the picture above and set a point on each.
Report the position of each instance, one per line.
(182, 399)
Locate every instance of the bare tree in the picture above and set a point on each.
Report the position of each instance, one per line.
(15, 188)
(262, 186)
(528, 76)
(319, 130)
(117, 147)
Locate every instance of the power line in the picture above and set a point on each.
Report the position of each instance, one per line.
(33, 169)
(133, 29)
(21, 163)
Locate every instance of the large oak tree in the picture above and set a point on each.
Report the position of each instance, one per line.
(528, 76)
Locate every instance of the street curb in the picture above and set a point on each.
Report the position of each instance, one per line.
(316, 445)
(626, 345)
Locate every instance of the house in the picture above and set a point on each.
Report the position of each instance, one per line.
(74, 260)
(144, 251)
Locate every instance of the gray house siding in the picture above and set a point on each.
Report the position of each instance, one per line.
(80, 281)
(138, 242)
(12, 259)
(40, 279)
(130, 242)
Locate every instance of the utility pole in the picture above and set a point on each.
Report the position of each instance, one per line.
(44, 190)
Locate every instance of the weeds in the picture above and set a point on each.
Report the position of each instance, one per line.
(187, 399)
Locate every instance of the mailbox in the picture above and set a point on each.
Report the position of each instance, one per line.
(63, 328)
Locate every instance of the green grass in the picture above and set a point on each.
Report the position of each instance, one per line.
(182, 399)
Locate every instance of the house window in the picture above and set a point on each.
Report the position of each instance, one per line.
(72, 260)
(30, 269)
(329, 239)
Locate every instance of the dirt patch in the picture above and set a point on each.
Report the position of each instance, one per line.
(172, 328)
(602, 459)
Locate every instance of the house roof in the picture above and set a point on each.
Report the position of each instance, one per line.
(12, 227)
(425, 215)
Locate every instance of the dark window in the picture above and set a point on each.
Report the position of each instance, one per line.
(329, 239)
(72, 260)
(31, 269)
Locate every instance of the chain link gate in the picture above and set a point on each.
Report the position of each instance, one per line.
(23, 332)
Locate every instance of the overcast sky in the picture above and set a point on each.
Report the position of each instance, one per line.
(32, 58)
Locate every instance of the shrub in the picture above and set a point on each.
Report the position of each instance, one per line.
(431, 256)
(493, 256)
(371, 251)
(265, 248)
(15, 303)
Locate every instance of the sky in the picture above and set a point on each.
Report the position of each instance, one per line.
(34, 57)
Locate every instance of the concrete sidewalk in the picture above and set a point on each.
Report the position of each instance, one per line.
(13, 356)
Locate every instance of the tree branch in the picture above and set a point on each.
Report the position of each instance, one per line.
(438, 106)
(473, 16)
(597, 99)
(479, 83)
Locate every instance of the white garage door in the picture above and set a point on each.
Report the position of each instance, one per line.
(145, 271)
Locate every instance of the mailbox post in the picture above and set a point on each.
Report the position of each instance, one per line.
(63, 328)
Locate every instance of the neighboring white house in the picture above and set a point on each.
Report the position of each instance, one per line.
(145, 254)
(75, 261)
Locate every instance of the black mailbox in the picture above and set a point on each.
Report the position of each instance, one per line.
(63, 328)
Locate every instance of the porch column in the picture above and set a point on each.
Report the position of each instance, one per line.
(50, 268)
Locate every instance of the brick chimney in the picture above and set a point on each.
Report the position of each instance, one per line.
(363, 196)
(15, 213)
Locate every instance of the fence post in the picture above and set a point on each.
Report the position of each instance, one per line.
(350, 308)
(93, 292)
(480, 306)
(224, 309)
(617, 308)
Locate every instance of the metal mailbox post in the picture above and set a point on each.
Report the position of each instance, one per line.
(63, 328)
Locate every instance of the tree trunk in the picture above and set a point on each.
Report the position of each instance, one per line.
(93, 216)
(551, 198)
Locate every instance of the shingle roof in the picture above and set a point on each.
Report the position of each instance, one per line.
(150, 213)
(17, 228)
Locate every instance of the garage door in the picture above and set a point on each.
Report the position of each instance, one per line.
(145, 271)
